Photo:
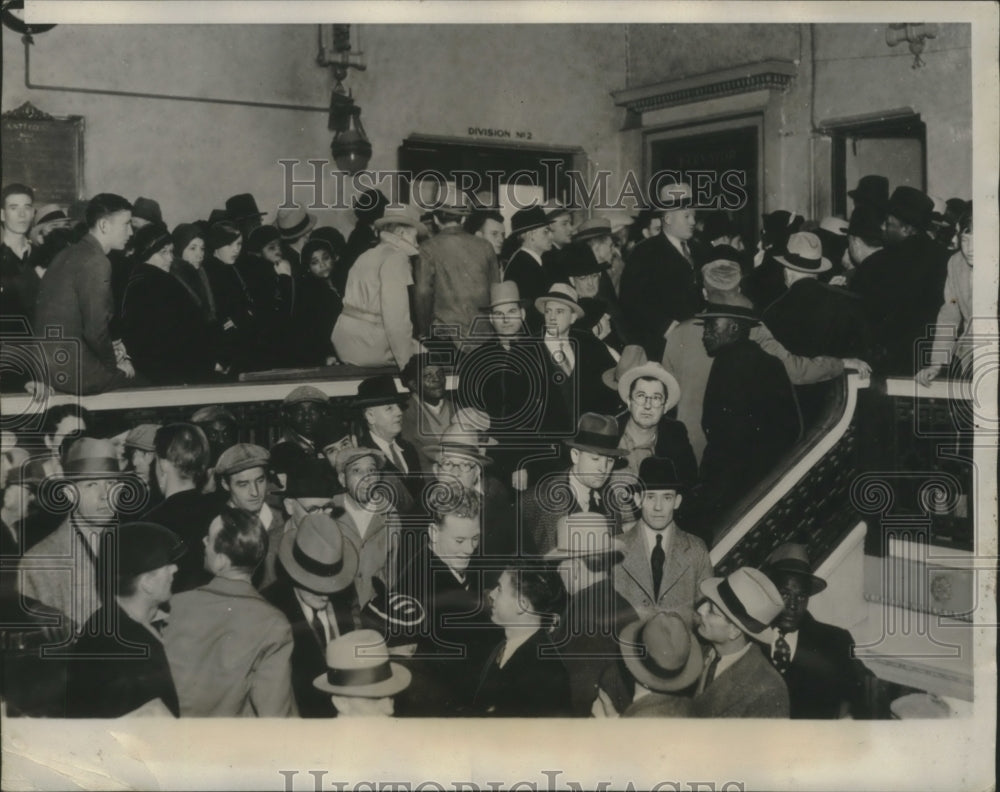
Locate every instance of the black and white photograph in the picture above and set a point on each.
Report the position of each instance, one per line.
(499, 373)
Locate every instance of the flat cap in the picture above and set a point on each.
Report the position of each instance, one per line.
(306, 393)
(143, 547)
(240, 457)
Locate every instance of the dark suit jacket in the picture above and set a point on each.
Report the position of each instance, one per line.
(532, 280)
(672, 443)
(75, 295)
(658, 286)
(412, 482)
(824, 677)
(500, 381)
(812, 319)
(163, 329)
(566, 399)
(530, 685)
(750, 688)
(188, 514)
(120, 679)
(308, 653)
(550, 499)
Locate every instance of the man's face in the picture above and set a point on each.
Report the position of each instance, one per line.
(359, 478)
(539, 239)
(159, 583)
(591, 469)
(655, 227)
(657, 507)
(504, 605)
(562, 230)
(17, 213)
(558, 318)
(303, 417)
(647, 402)
(94, 503)
(221, 435)
(718, 332)
(320, 263)
(298, 508)
(68, 425)
(194, 253)
(713, 625)
(17, 498)
(507, 319)
(330, 451)
(117, 229)
(386, 420)
(247, 489)
(794, 590)
(142, 461)
(586, 285)
(895, 230)
(965, 244)
(467, 471)
(602, 248)
(492, 232)
(455, 540)
(432, 382)
(679, 223)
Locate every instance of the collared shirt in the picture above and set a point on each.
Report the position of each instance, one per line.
(580, 491)
(329, 625)
(640, 444)
(680, 244)
(392, 451)
(266, 516)
(792, 639)
(559, 348)
(650, 536)
(362, 517)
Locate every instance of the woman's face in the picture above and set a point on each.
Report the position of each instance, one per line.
(194, 253)
(272, 251)
(229, 253)
(321, 263)
(965, 243)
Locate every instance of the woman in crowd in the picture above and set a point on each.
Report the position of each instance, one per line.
(189, 255)
(233, 302)
(162, 326)
(374, 328)
(524, 677)
(319, 305)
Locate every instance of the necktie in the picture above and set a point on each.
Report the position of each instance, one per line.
(710, 671)
(318, 628)
(782, 657)
(656, 559)
(686, 250)
(397, 458)
(563, 359)
(594, 502)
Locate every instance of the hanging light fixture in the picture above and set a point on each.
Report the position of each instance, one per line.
(350, 147)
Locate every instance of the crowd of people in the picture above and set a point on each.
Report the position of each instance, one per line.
(530, 543)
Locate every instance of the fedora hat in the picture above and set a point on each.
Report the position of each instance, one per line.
(912, 206)
(528, 220)
(358, 665)
(52, 214)
(658, 473)
(793, 559)
(402, 215)
(722, 271)
(376, 391)
(866, 223)
(714, 310)
(294, 222)
(804, 253)
(242, 206)
(345, 456)
(143, 547)
(670, 659)
(619, 219)
(503, 293)
(748, 598)
(579, 260)
(655, 371)
(594, 228)
(583, 535)
(872, 190)
(330, 430)
(673, 196)
(632, 355)
(780, 224)
(316, 557)
(460, 442)
(554, 209)
(88, 457)
(147, 209)
(596, 434)
(561, 293)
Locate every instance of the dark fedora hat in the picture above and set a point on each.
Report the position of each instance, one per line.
(780, 225)
(594, 228)
(872, 190)
(718, 310)
(376, 391)
(596, 434)
(866, 223)
(791, 558)
(147, 209)
(579, 260)
(241, 206)
(528, 220)
(658, 473)
(669, 659)
(911, 206)
(90, 457)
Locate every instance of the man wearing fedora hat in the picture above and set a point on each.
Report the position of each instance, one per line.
(663, 566)
(738, 681)
(587, 273)
(375, 327)
(658, 285)
(360, 679)
(816, 660)
(61, 570)
(902, 285)
(864, 236)
(242, 210)
(765, 282)
(113, 673)
(750, 416)
(294, 224)
(315, 594)
(872, 192)
(452, 278)
(645, 429)
(581, 488)
(531, 227)
(229, 649)
(380, 405)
